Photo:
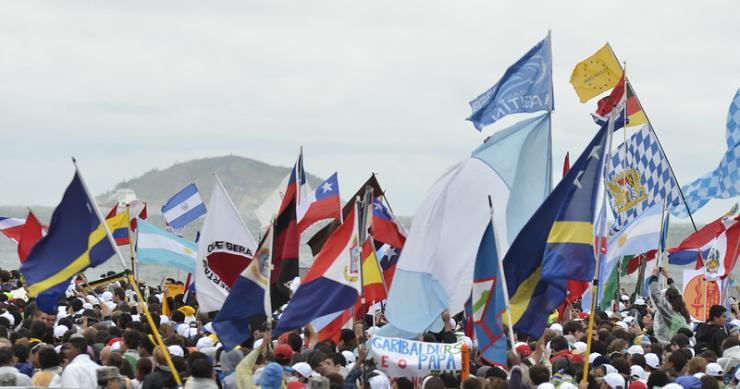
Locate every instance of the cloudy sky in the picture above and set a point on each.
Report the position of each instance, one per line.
(371, 86)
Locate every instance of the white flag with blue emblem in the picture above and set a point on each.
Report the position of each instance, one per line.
(639, 178)
(724, 181)
(183, 207)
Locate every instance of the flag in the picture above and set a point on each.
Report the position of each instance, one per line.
(514, 167)
(332, 284)
(323, 203)
(77, 239)
(566, 163)
(639, 178)
(32, 232)
(330, 326)
(287, 238)
(526, 86)
(318, 239)
(385, 227)
(137, 210)
(372, 277)
(635, 115)
(596, 74)
(155, 246)
(12, 227)
(557, 244)
(119, 227)
(701, 241)
(722, 182)
(250, 297)
(183, 207)
(487, 302)
(388, 260)
(225, 248)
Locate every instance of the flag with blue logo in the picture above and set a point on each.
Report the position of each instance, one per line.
(487, 302)
(183, 207)
(639, 178)
(724, 181)
(155, 246)
(525, 87)
(77, 239)
(557, 244)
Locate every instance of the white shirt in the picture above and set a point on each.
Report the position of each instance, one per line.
(80, 373)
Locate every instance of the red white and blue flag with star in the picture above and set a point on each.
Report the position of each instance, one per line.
(322, 203)
(385, 227)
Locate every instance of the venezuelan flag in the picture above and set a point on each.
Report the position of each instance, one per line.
(76, 240)
(556, 245)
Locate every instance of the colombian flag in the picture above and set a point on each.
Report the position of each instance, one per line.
(118, 226)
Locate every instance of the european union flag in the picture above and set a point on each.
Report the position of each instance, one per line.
(525, 87)
(556, 245)
(76, 240)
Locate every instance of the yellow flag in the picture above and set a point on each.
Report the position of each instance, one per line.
(596, 74)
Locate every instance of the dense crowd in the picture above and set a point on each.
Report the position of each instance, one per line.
(100, 339)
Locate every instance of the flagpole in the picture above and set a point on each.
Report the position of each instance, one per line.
(657, 140)
(131, 246)
(99, 214)
(602, 231)
(268, 297)
(504, 287)
(361, 215)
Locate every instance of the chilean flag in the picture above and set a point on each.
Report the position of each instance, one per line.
(332, 284)
(385, 227)
(12, 227)
(323, 203)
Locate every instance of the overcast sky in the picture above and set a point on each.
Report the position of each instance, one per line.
(364, 86)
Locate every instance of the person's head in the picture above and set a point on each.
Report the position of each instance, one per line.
(730, 342)
(696, 365)
(434, 382)
(613, 381)
(679, 341)
(272, 376)
(402, 383)
(471, 383)
(200, 367)
(39, 315)
(48, 358)
(647, 320)
(283, 354)
(329, 365)
(20, 351)
(539, 374)
(295, 342)
(673, 296)
(709, 382)
(717, 315)
(558, 344)
(347, 341)
(119, 295)
(574, 329)
(6, 357)
(132, 339)
(658, 378)
(676, 361)
(109, 377)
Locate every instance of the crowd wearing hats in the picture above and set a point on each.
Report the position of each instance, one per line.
(100, 338)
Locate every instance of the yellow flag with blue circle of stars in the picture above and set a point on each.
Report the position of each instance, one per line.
(596, 74)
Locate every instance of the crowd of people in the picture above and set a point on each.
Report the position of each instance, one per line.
(99, 338)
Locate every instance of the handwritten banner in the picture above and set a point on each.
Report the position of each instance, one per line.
(407, 358)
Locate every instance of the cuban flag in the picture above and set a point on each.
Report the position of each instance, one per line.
(385, 227)
(249, 297)
(183, 207)
(12, 227)
(332, 284)
(323, 203)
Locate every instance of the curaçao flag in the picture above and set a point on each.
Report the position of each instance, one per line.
(487, 302)
(332, 284)
(249, 297)
(557, 244)
(322, 203)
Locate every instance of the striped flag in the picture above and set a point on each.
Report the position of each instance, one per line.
(183, 207)
(12, 227)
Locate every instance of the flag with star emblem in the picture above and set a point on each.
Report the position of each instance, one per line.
(596, 74)
(388, 259)
(322, 203)
(159, 247)
(385, 227)
(557, 244)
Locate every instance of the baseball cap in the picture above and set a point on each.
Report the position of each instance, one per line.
(652, 360)
(283, 351)
(304, 369)
(609, 368)
(672, 385)
(614, 380)
(635, 349)
(639, 301)
(638, 372)
(579, 348)
(523, 349)
(557, 328)
(593, 356)
(714, 369)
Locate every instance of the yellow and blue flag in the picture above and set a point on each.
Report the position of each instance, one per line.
(557, 244)
(76, 240)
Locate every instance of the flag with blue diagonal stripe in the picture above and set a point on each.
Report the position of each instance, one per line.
(183, 207)
(724, 181)
(639, 178)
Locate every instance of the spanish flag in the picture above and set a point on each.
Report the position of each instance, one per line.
(596, 74)
(76, 240)
(372, 278)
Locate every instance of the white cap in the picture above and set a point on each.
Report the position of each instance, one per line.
(135, 318)
(638, 372)
(257, 343)
(557, 328)
(635, 349)
(639, 301)
(672, 385)
(714, 370)
(624, 297)
(115, 346)
(579, 348)
(652, 360)
(8, 316)
(567, 385)
(610, 369)
(304, 369)
(87, 306)
(380, 381)
(592, 357)
(60, 330)
(106, 296)
(164, 319)
(622, 324)
(349, 356)
(176, 350)
(545, 385)
(204, 342)
(629, 319)
(614, 380)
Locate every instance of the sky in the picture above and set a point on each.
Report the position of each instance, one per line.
(373, 86)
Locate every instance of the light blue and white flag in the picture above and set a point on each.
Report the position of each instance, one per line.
(435, 270)
(639, 178)
(184, 207)
(724, 181)
(158, 247)
(525, 87)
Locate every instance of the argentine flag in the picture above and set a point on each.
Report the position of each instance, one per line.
(158, 247)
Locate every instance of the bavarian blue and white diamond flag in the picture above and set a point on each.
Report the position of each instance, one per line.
(639, 177)
(525, 87)
(724, 181)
